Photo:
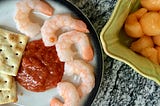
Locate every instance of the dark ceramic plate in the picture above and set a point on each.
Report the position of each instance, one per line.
(6, 10)
(96, 45)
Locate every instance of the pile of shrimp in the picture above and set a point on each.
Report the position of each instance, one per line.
(69, 36)
(144, 26)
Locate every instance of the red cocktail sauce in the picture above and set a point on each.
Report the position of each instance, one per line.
(40, 67)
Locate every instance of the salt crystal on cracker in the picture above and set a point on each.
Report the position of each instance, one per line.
(12, 46)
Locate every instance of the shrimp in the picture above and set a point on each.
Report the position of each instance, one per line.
(84, 71)
(152, 5)
(132, 25)
(150, 23)
(141, 43)
(58, 24)
(69, 93)
(72, 45)
(22, 20)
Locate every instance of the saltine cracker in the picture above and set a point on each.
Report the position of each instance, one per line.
(12, 46)
(9, 96)
(5, 82)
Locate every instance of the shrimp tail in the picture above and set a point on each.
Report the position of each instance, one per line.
(55, 102)
(48, 9)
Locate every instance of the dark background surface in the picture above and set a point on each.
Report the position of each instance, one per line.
(121, 85)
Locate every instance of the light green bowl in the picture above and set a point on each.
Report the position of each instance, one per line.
(116, 43)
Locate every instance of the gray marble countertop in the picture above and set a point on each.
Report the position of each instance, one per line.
(121, 85)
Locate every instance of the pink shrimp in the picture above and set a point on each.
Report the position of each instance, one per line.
(69, 93)
(23, 22)
(72, 45)
(86, 73)
(60, 23)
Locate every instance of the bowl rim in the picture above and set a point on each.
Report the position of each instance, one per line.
(105, 48)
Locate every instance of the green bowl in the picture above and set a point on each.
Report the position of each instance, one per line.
(116, 43)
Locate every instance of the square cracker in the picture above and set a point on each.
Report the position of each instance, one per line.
(9, 96)
(12, 46)
(5, 82)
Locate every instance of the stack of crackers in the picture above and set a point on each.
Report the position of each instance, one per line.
(12, 46)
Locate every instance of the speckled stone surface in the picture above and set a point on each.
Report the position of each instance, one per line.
(121, 85)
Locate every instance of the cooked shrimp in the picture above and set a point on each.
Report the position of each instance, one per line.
(132, 25)
(72, 45)
(84, 71)
(151, 23)
(141, 43)
(23, 22)
(153, 5)
(60, 23)
(151, 53)
(69, 93)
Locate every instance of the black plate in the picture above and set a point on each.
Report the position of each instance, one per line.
(96, 45)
